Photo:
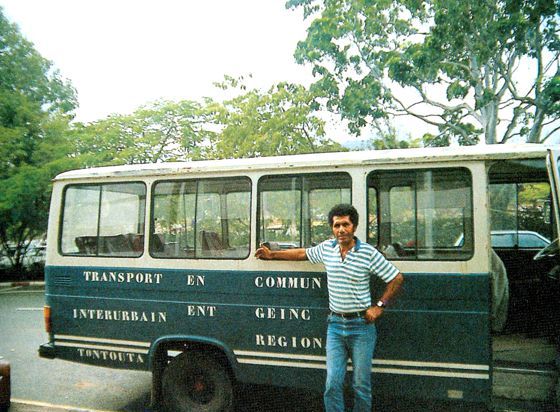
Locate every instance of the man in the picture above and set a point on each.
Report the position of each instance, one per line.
(351, 330)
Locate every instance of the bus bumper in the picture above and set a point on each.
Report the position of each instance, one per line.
(47, 350)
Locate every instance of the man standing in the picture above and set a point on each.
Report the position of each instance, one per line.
(351, 331)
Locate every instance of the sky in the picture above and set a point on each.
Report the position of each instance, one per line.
(122, 54)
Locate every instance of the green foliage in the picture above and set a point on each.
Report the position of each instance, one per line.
(253, 123)
(391, 142)
(161, 131)
(279, 122)
(387, 138)
(552, 95)
(35, 103)
(457, 90)
(361, 50)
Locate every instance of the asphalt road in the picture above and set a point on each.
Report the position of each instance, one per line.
(54, 382)
(40, 385)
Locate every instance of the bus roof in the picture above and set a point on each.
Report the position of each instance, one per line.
(340, 159)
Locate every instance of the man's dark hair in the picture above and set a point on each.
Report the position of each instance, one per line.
(344, 209)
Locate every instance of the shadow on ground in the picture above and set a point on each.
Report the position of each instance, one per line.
(264, 398)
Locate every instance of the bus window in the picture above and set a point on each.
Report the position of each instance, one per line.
(294, 209)
(422, 213)
(403, 219)
(372, 232)
(206, 218)
(520, 211)
(104, 220)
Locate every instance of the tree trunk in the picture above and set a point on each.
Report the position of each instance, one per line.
(489, 122)
(535, 134)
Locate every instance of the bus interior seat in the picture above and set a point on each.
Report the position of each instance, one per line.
(137, 241)
(87, 245)
(158, 245)
(394, 250)
(211, 242)
(115, 244)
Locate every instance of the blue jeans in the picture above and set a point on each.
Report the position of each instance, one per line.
(354, 339)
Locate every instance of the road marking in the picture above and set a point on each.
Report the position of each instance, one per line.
(52, 405)
(15, 292)
(9, 289)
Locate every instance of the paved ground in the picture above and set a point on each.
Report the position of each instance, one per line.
(27, 406)
(19, 405)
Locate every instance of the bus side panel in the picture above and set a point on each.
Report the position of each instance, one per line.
(433, 340)
(267, 319)
(88, 327)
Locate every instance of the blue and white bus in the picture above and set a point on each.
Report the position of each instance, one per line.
(151, 267)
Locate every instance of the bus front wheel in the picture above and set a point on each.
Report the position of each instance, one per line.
(195, 382)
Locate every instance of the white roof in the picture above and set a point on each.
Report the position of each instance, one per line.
(419, 155)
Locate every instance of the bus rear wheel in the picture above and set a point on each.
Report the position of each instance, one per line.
(198, 383)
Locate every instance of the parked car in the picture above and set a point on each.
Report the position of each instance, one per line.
(523, 239)
(33, 259)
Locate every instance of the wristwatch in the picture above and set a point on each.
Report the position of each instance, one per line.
(381, 304)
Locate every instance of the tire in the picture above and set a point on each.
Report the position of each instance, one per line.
(196, 382)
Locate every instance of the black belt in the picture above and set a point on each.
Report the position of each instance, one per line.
(350, 315)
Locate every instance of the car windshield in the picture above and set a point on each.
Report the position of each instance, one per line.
(513, 238)
(510, 239)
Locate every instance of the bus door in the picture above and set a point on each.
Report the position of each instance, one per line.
(553, 251)
(552, 165)
(434, 340)
(524, 308)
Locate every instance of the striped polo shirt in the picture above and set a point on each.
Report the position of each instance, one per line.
(348, 279)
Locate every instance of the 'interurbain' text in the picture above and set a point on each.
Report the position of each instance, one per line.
(119, 315)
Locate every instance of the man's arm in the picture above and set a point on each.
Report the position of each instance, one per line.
(287, 254)
(391, 290)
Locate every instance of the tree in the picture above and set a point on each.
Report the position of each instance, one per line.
(472, 69)
(161, 131)
(281, 121)
(35, 108)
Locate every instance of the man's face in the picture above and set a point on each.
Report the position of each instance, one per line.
(343, 229)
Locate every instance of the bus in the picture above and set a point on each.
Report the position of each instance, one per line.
(151, 267)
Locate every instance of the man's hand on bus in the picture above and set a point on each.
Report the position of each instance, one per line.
(373, 313)
(264, 253)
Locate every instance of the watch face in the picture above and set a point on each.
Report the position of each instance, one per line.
(381, 304)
